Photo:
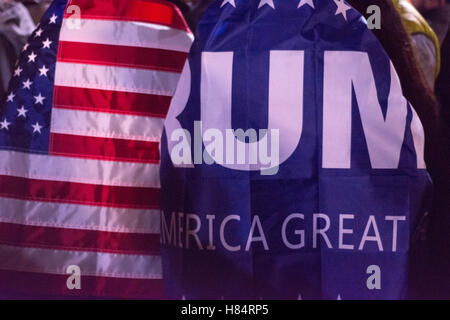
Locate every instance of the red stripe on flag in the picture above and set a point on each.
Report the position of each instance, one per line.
(104, 148)
(121, 56)
(156, 11)
(79, 240)
(79, 193)
(30, 285)
(111, 101)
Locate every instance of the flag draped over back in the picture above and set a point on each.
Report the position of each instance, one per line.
(292, 165)
(79, 149)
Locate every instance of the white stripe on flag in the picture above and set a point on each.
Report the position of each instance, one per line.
(55, 168)
(115, 78)
(106, 125)
(75, 216)
(91, 263)
(127, 33)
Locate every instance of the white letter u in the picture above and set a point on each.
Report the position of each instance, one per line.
(285, 101)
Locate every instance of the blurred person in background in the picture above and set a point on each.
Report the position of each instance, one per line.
(16, 25)
(36, 8)
(443, 82)
(437, 14)
(17, 21)
(424, 38)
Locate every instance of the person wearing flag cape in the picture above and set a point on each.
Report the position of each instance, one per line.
(291, 163)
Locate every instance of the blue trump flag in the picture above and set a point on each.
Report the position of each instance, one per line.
(292, 166)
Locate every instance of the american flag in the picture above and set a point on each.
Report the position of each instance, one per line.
(79, 149)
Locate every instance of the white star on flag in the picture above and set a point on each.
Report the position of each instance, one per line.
(53, 18)
(264, 2)
(10, 97)
(27, 84)
(39, 99)
(25, 47)
(308, 2)
(17, 72)
(46, 43)
(38, 33)
(43, 71)
(37, 127)
(32, 57)
(4, 124)
(228, 1)
(342, 8)
(22, 112)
